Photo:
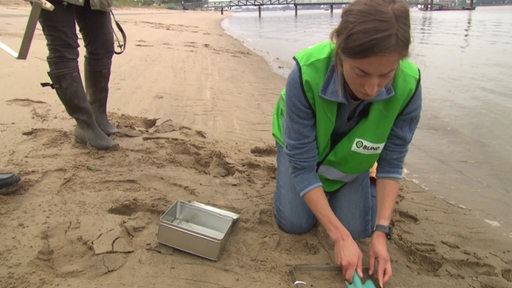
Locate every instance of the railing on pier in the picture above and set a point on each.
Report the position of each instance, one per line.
(223, 4)
(234, 3)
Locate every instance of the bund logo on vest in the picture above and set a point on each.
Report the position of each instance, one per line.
(365, 147)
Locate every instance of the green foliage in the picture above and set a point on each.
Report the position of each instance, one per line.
(125, 3)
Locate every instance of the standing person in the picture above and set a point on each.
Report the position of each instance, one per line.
(348, 103)
(87, 106)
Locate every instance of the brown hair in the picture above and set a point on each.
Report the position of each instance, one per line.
(372, 28)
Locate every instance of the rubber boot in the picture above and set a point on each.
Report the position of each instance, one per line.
(69, 88)
(96, 87)
(8, 183)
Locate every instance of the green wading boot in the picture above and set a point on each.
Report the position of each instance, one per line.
(69, 88)
(96, 87)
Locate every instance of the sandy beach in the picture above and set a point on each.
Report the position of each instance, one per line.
(194, 109)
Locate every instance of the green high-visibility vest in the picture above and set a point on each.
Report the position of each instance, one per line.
(360, 148)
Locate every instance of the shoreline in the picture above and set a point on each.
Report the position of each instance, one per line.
(190, 130)
(476, 176)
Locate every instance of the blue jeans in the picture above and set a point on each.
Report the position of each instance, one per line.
(354, 203)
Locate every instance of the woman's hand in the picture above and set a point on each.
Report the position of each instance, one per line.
(346, 251)
(349, 257)
(379, 258)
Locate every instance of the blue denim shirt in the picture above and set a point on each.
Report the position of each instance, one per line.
(300, 130)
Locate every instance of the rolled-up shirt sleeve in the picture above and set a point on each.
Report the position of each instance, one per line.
(300, 136)
(391, 160)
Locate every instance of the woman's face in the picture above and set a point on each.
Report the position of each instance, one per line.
(366, 77)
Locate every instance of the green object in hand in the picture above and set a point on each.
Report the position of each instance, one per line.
(357, 283)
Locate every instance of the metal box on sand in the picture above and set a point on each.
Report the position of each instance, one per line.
(196, 228)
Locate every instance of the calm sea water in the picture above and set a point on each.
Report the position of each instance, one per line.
(462, 150)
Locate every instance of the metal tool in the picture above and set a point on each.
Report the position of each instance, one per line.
(297, 269)
(33, 18)
(366, 282)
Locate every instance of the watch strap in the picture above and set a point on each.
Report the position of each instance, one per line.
(386, 229)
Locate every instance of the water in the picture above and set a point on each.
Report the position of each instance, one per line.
(462, 149)
(278, 35)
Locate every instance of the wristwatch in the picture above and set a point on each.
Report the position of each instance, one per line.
(383, 228)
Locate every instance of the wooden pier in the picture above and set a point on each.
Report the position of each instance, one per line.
(223, 4)
(429, 5)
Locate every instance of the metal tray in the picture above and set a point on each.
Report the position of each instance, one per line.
(196, 228)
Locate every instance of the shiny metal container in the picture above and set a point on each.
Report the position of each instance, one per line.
(196, 228)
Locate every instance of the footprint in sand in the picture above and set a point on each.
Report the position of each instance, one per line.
(262, 151)
(42, 116)
(24, 102)
(142, 43)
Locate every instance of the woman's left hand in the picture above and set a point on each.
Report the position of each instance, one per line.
(379, 258)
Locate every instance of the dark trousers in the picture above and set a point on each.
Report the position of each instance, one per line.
(59, 29)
